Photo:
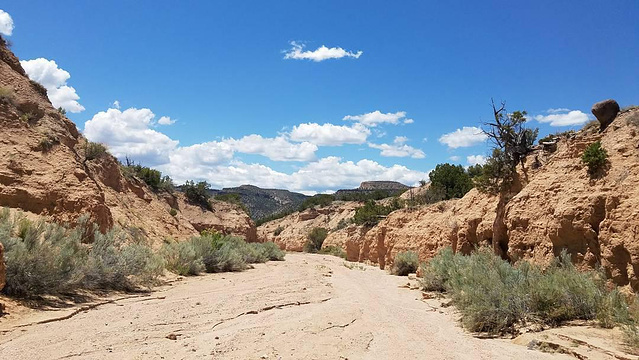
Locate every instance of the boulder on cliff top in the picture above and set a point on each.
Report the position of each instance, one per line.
(605, 111)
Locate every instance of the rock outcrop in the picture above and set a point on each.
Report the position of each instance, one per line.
(290, 232)
(44, 170)
(605, 111)
(559, 207)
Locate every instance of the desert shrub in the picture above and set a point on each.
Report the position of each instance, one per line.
(371, 212)
(492, 295)
(173, 212)
(62, 111)
(214, 253)
(406, 262)
(6, 95)
(48, 142)
(197, 193)
(94, 150)
(115, 263)
(453, 179)
(333, 250)
(182, 259)
(44, 258)
(315, 240)
(40, 258)
(595, 157)
(278, 231)
(272, 251)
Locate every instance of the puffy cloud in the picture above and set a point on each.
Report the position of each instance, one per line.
(329, 134)
(409, 121)
(129, 133)
(320, 54)
(318, 176)
(376, 117)
(116, 104)
(455, 158)
(398, 149)
(464, 137)
(6, 23)
(563, 117)
(54, 79)
(278, 149)
(476, 159)
(165, 120)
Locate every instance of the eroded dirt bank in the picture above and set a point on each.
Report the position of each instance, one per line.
(307, 307)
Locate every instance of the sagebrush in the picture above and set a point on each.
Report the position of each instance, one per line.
(495, 296)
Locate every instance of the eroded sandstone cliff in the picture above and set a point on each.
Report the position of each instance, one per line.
(558, 206)
(44, 170)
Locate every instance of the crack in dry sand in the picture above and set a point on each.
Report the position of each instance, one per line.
(279, 306)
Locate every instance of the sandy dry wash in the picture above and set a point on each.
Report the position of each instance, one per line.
(307, 307)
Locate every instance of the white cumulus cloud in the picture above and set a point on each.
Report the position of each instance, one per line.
(329, 134)
(129, 133)
(165, 120)
(320, 54)
(563, 117)
(54, 79)
(464, 137)
(6, 23)
(278, 148)
(476, 160)
(398, 149)
(377, 117)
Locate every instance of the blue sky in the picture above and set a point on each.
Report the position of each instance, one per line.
(217, 71)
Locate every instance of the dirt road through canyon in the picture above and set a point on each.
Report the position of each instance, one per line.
(307, 307)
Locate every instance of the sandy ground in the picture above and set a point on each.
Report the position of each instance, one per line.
(307, 307)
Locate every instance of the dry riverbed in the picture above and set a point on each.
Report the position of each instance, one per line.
(307, 307)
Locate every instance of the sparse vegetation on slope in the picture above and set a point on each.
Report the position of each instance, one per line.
(198, 194)
(494, 296)
(232, 198)
(371, 213)
(153, 178)
(595, 157)
(94, 150)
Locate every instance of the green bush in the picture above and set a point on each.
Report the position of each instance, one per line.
(153, 178)
(198, 193)
(213, 253)
(595, 157)
(371, 212)
(43, 258)
(173, 212)
(315, 240)
(278, 231)
(232, 198)
(493, 296)
(406, 262)
(452, 179)
(94, 150)
(182, 259)
(48, 142)
(333, 250)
